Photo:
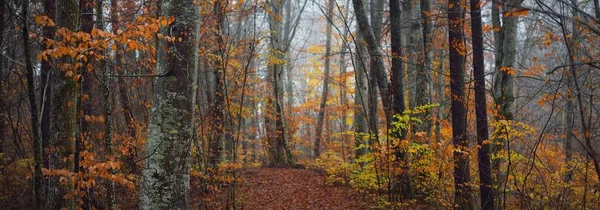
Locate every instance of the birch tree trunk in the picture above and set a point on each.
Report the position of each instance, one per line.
(165, 180)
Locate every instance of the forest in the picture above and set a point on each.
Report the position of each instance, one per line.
(299, 104)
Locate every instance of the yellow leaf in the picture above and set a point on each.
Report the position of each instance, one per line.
(163, 22)
(69, 74)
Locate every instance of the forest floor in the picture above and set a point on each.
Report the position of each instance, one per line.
(278, 188)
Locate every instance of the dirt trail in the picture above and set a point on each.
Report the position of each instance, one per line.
(275, 188)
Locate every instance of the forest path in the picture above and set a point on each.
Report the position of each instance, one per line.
(277, 188)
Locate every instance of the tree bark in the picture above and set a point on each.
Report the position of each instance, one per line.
(424, 84)
(597, 10)
(360, 98)
(463, 198)
(107, 109)
(280, 153)
(63, 110)
(506, 40)
(483, 152)
(321, 117)
(377, 75)
(35, 123)
(165, 180)
(45, 82)
(123, 96)
(403, 187)
(2, 80)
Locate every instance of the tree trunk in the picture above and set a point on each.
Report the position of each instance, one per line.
(403, 187)
(123, 97)
(321, 117)
(343, 86)
(2, 80)
(597, 10)
(483, 152)
(280, 153)
(165, 182)
(463, 198)
(360, 98)
(377, 71)
(506, 40)
(84, 106)
(107, 110)
(45, 81)
(63, 110)
(35, 123)
(218, 121)
(424, 84)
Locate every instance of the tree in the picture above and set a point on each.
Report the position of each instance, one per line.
(280, 41)
(398, 106)
(483, 151)
(360, 98)
(63, 111)
(165, 179)
(377, 74)
(462, 177)
(424, 71)
(321, 117)
(35, 124)
(505, 37)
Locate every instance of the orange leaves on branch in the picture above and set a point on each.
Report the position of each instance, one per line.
(516, 13)
(43, 20)
(508, 70)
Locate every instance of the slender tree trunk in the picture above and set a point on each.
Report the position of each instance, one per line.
(35, 123)
(218, 128)
(2, 80)
(321, 117)
(440, 98)
(483, 152)
(46, 78)
(84, 106)
(498, 54)
(597, 10)
(107, 109)
(123, 96)
(462, 178)
(343, 86)
(165, 180)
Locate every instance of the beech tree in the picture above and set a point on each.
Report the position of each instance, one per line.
(483, 151)
(166, 174)
(456, 43)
